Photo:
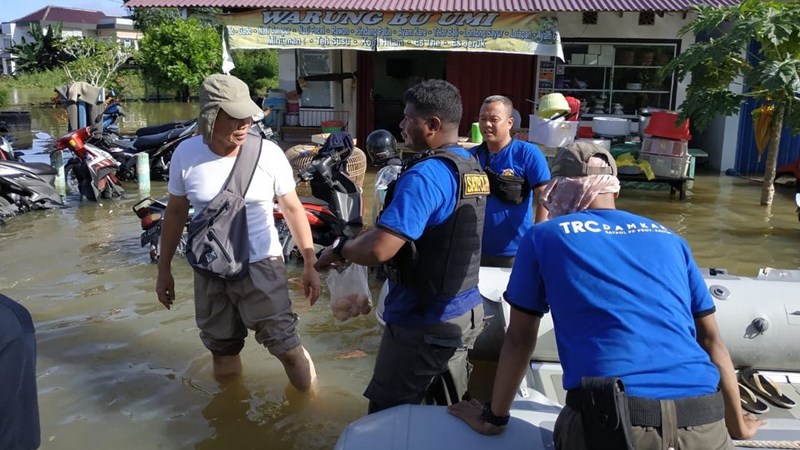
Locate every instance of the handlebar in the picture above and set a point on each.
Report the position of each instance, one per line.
(322, 165)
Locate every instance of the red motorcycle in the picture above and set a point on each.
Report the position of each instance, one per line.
(92, 168)
(333, 211)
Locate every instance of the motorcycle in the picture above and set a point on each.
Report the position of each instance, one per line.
(25, 186)
(150, 212)
(158, 141)
(91, 167)
(333, 211)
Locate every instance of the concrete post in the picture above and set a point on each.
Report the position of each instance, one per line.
(57, 162)
(143, 171)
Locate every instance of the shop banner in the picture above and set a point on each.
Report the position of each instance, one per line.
(369, 30)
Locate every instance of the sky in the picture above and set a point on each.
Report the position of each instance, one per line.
(15, 9)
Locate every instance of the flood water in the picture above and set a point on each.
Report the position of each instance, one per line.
(117, 370)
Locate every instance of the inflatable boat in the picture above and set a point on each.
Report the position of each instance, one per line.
(758, 317)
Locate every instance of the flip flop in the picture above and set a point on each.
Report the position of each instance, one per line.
(765, 388)
(750, 402)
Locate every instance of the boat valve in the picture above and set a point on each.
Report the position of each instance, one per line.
(761, 325)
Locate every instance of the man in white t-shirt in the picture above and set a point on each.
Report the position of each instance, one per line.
(225, 310)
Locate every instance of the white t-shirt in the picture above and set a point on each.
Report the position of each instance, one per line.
(198, 173)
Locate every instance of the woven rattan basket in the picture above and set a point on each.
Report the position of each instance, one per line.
(300, 155)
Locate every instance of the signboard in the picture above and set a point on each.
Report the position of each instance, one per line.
(379, 31)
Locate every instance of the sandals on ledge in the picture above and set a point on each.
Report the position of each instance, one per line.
(763, 387)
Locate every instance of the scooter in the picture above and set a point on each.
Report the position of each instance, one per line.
(150, 212)
(333, 211)
(25, 186)
(158, 141)
(93, 168)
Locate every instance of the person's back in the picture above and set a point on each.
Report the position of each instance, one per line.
(19, 407)
(620, 285)
(633, 319)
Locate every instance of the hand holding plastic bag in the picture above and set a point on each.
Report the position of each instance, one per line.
(350, 294)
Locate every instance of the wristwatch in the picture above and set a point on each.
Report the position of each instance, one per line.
(338, 244)
(488, 416)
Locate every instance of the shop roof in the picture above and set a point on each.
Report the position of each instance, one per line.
(440, 5)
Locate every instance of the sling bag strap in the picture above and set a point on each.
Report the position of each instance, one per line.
(238, 181)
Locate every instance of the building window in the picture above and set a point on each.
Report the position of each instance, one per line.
(316, 94)
(590, 17)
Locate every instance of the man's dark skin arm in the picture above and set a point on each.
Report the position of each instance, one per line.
(373, 247)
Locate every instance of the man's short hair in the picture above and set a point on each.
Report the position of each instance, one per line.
(436, 98)
(573, 161)
(502, 99)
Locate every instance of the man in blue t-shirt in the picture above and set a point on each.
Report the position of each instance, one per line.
(628, 301)
(514, 168)
(428, 238)
(19, 407)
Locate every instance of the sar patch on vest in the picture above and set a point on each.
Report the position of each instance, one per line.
(475, 184)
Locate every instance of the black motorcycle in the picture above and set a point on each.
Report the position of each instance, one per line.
(25, 186)
(159, 142)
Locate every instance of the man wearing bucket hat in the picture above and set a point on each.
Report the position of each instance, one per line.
(609, 323)
(517, 174)
(225, 310)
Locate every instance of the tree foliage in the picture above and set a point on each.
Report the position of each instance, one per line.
(148, 18)
(772, 76)
(93, 60)
(41, 52)
(180, 54)
(257, 68)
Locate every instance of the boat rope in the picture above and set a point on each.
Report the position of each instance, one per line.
(768, 444)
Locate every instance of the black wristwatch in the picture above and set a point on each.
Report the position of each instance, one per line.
(488, 416)
(338, 245)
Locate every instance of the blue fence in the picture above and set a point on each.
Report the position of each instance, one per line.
(747, 160)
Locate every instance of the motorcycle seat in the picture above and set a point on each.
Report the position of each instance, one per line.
(313, 201)
(34, 168)
(158, 129)
(157, 140)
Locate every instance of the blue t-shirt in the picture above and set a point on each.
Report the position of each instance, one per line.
(19, 407)
(425, 195)
(505, 224)
(624, 292)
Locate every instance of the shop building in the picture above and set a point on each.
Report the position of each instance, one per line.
(352, 61)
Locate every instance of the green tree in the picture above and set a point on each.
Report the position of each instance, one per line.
(147, 18)
(93, 60)
(772, 77)
(257, 68)
(41, 52)
(180, 54)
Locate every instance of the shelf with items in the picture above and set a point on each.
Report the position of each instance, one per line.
(620, 76)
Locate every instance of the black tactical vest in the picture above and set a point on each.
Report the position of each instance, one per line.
(445, 260)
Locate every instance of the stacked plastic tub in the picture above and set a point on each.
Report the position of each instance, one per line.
(666, 145)
(555, 123)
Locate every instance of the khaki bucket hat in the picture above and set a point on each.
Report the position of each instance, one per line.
(573, 161)
(224, 92)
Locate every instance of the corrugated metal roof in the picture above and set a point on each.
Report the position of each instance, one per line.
(61, 14)
(441, 5)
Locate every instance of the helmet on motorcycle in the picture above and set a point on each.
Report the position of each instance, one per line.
(381, 146)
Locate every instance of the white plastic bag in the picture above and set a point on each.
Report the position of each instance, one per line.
(350, 295)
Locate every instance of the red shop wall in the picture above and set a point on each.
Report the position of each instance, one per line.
(479, 75)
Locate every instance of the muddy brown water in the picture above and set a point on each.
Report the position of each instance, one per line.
(117, 370)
